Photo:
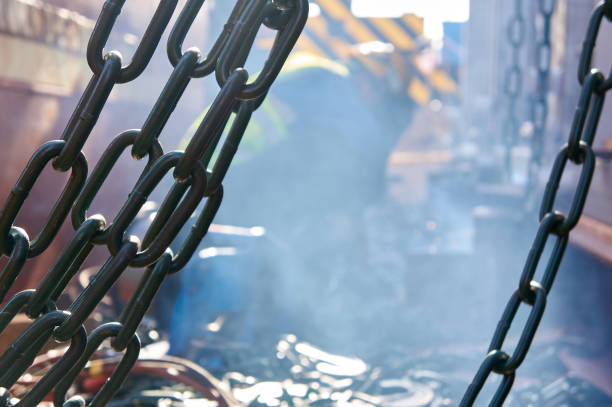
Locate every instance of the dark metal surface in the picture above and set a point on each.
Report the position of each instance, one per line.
(531, 292)
(192, 184)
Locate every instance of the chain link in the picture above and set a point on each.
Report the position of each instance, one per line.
(193, 183)
(552, 222)
(539, 102)
(112, 385)
(513, 83)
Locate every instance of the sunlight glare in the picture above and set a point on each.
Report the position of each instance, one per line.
(434, 12)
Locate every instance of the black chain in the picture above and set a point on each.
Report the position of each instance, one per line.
(193, 182)
(539, 102)
(513, 83)
(552, 222)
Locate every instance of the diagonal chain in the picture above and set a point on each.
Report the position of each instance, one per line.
(192, 183)
(552, 223)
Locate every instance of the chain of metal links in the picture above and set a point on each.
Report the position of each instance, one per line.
(539, 102)
(193, 183)
(513, 83)
(532, 292)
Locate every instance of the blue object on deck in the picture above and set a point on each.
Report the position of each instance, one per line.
(236, 288)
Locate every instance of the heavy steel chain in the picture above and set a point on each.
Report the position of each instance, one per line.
(513, 84)
(193, 182)
(532, 292)
(539, 102)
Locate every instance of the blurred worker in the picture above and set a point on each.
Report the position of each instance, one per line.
(312, 159)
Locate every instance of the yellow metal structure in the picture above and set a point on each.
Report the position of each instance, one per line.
(379, 44)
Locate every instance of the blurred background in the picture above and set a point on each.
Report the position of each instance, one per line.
(379, 209)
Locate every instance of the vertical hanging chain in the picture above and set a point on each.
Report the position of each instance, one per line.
(553, 223)
(513, 84)
(193, 183)
(539, 103)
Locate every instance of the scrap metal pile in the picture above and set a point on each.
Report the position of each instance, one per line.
(297, 374)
